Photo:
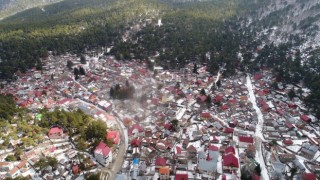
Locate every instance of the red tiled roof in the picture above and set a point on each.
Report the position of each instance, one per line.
(178, 150)
(305, 118)
(114, 136)
(135, 142)
(265, 107)
(308, 176)
(228, 130)
(246, 139)
(231, 161)
(266, 91)
(168, 126)
(257, 76)
(280, 111)
(293, 106)
(160, 162)
(218, 98)
(55, 130)
(191, 148)
(133, 127)
(289, 125)
(287, 141)
(213, 148)
(224, 177)
(230, 149)
(155, 101)
(52, 149)
(224, 107)
(205, 115)
(203, 98)
(13, 171)
(103, 149)
(37, 93)
(215, 138)
(75, 169)
(232, 101)
(181, 176)
(255, 177)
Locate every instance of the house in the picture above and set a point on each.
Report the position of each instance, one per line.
(285, 158)
(305, 118)
(308, 150)
(277, 170)
(216, 124)
(205, 115)
(55, 133)
(228, 131)
(135, 131)
(181, 155)
(251, 151)
(208, 167)
(230, 163)
(212, 148)
(192, 153)
(185, 143)
(113, 136)
(217, 99)
(181, 175)
(308, 176)
(13, 173)
(230, 150)
(75, 169)
(5, 166)
(287, 142)
(289, 125)
(244, 141)
(160, 162)
(164, 173)
(23, 164)
(257, 76)
(135, 142)
(103, 154)
(315, 169)
(299, 165)
(201, 155)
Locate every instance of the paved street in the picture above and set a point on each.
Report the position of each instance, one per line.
(115, 167)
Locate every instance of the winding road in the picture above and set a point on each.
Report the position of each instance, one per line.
(116, 165)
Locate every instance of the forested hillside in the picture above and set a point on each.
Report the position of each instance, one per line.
(9, 7)
(74, 25)
(288, 33)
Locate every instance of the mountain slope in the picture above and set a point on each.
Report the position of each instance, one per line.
(10, 7)
(74, 25)
(286, 34)
(280, 21)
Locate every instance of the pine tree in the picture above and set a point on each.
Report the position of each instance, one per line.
(218, 83)
(208, 101)
(195, 69)
(76, 71)
(291, 94)
(81, 71)
(111, 92)
(83, 59)
(69, 64)
(203, 92)
(257, 169)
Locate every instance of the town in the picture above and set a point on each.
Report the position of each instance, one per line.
(160, 124)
